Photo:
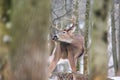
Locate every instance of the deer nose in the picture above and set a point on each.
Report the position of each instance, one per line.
(55, 37)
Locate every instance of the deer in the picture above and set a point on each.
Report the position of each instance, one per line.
(68, 45)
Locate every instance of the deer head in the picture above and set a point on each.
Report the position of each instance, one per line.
(65, 34)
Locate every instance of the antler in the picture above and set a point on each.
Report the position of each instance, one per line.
(56, 26)
(73, 20)
(71, 27)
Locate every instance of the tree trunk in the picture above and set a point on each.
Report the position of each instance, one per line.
(29, 39)
(4, 39)
(75, 13)
(87, 31)
(119, 43)
(75, 8)
(98, 51)
(114, 50)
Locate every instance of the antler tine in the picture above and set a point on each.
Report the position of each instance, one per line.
(56, 26)
(73, 20)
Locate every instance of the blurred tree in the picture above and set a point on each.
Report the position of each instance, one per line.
(4, 39)
(75, 13)
(3, 28)
(114, 50)
(119, 42)
(87, 35)
(29, 34)
(98, 52)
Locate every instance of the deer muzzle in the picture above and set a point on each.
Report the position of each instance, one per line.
(55, 37)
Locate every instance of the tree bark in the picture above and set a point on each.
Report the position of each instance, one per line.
(4, 39)
(114, 50)
(98, 51)
(75, 13)
(87, 31)
(29, 33)
(119, 43)
(75, 9)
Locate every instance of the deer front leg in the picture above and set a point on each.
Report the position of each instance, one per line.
(52, 67)
(72, 64)
(56, 58)
(72, 61)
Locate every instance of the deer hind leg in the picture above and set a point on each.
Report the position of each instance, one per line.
(56, 58)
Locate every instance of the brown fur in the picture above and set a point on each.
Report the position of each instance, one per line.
(71, 50)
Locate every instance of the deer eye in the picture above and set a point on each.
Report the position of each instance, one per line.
(64, 32)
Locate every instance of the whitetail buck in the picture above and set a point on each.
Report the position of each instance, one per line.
(68, 45)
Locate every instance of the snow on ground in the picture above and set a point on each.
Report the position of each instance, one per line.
(115, 78)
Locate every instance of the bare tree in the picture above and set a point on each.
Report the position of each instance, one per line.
(119, 42)
(114, 52)
(98, 51)
(87, 31)
(75, 9)
(4, 39)
(28, 56)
